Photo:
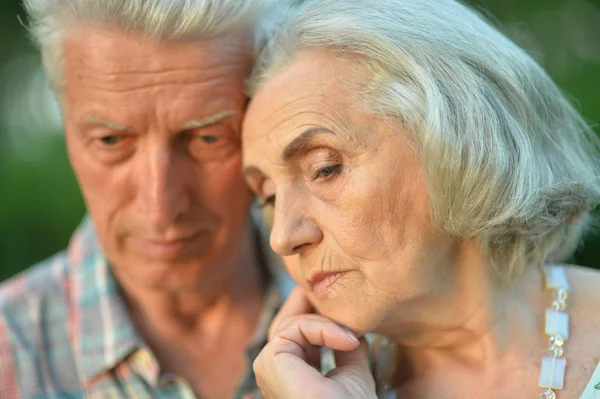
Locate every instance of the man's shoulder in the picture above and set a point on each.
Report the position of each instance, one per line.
(46, 281)
(33, 301)
(35, 332)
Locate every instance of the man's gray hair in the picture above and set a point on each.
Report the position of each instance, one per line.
(50, 21)
(506, 158)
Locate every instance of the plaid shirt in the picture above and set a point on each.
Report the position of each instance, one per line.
(65, 333)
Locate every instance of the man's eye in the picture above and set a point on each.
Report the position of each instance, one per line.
(327, 172)
(110, 140)
(209, 139)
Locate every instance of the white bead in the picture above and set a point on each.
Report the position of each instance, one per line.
(555, 381)
(556, 278)
(552, 371)
(557, 323)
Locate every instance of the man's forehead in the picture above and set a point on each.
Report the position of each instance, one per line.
(114, 49)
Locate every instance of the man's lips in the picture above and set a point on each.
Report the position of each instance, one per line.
(321, 282)
(168, 249)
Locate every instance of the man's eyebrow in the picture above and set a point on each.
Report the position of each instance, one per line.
(300, 143)
(94, 120)
(206, 121)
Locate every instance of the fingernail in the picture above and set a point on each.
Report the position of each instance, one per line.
(350, 334)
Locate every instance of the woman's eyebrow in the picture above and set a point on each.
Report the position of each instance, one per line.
(301, 143)
(252, 170)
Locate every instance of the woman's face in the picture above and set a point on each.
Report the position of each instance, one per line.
(348, 195)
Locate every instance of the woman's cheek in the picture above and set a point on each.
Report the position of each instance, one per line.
(291, 264)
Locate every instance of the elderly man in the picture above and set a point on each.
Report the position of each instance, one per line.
(164, 290)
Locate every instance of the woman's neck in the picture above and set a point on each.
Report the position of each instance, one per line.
(475, 320)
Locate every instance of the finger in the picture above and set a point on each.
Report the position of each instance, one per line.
(355, 362)
(305, 332)
(313, 356)
(358, 358)
(283, 323)
(285, 376)
(295, 305)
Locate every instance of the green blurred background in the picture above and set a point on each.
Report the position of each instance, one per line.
(40, 204)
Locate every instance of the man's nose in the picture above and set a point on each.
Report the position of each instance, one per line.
(293, 229)
(162, 195)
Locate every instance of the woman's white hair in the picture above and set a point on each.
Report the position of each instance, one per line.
(506, 158)
(50, 21)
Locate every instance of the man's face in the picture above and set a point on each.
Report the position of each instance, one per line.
(153, 134)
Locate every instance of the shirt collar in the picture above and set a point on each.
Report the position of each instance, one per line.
(102, 330)
(271, 304)
(279, 286)
(103, 333)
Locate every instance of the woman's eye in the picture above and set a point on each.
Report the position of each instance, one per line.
(269, 201)
(327, 172)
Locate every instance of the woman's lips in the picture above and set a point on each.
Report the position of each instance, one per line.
(321, 282)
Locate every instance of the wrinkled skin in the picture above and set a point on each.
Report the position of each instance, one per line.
(351, 198)
(153, 134)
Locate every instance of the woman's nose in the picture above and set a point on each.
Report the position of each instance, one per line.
(293, 228)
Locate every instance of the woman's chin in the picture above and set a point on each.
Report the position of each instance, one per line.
(359, 322)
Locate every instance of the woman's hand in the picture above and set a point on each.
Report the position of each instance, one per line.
(288, 367)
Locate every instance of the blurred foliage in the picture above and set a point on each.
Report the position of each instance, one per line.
(39, 207)
(40, 204)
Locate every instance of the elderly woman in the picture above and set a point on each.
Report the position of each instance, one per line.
(427, 176)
